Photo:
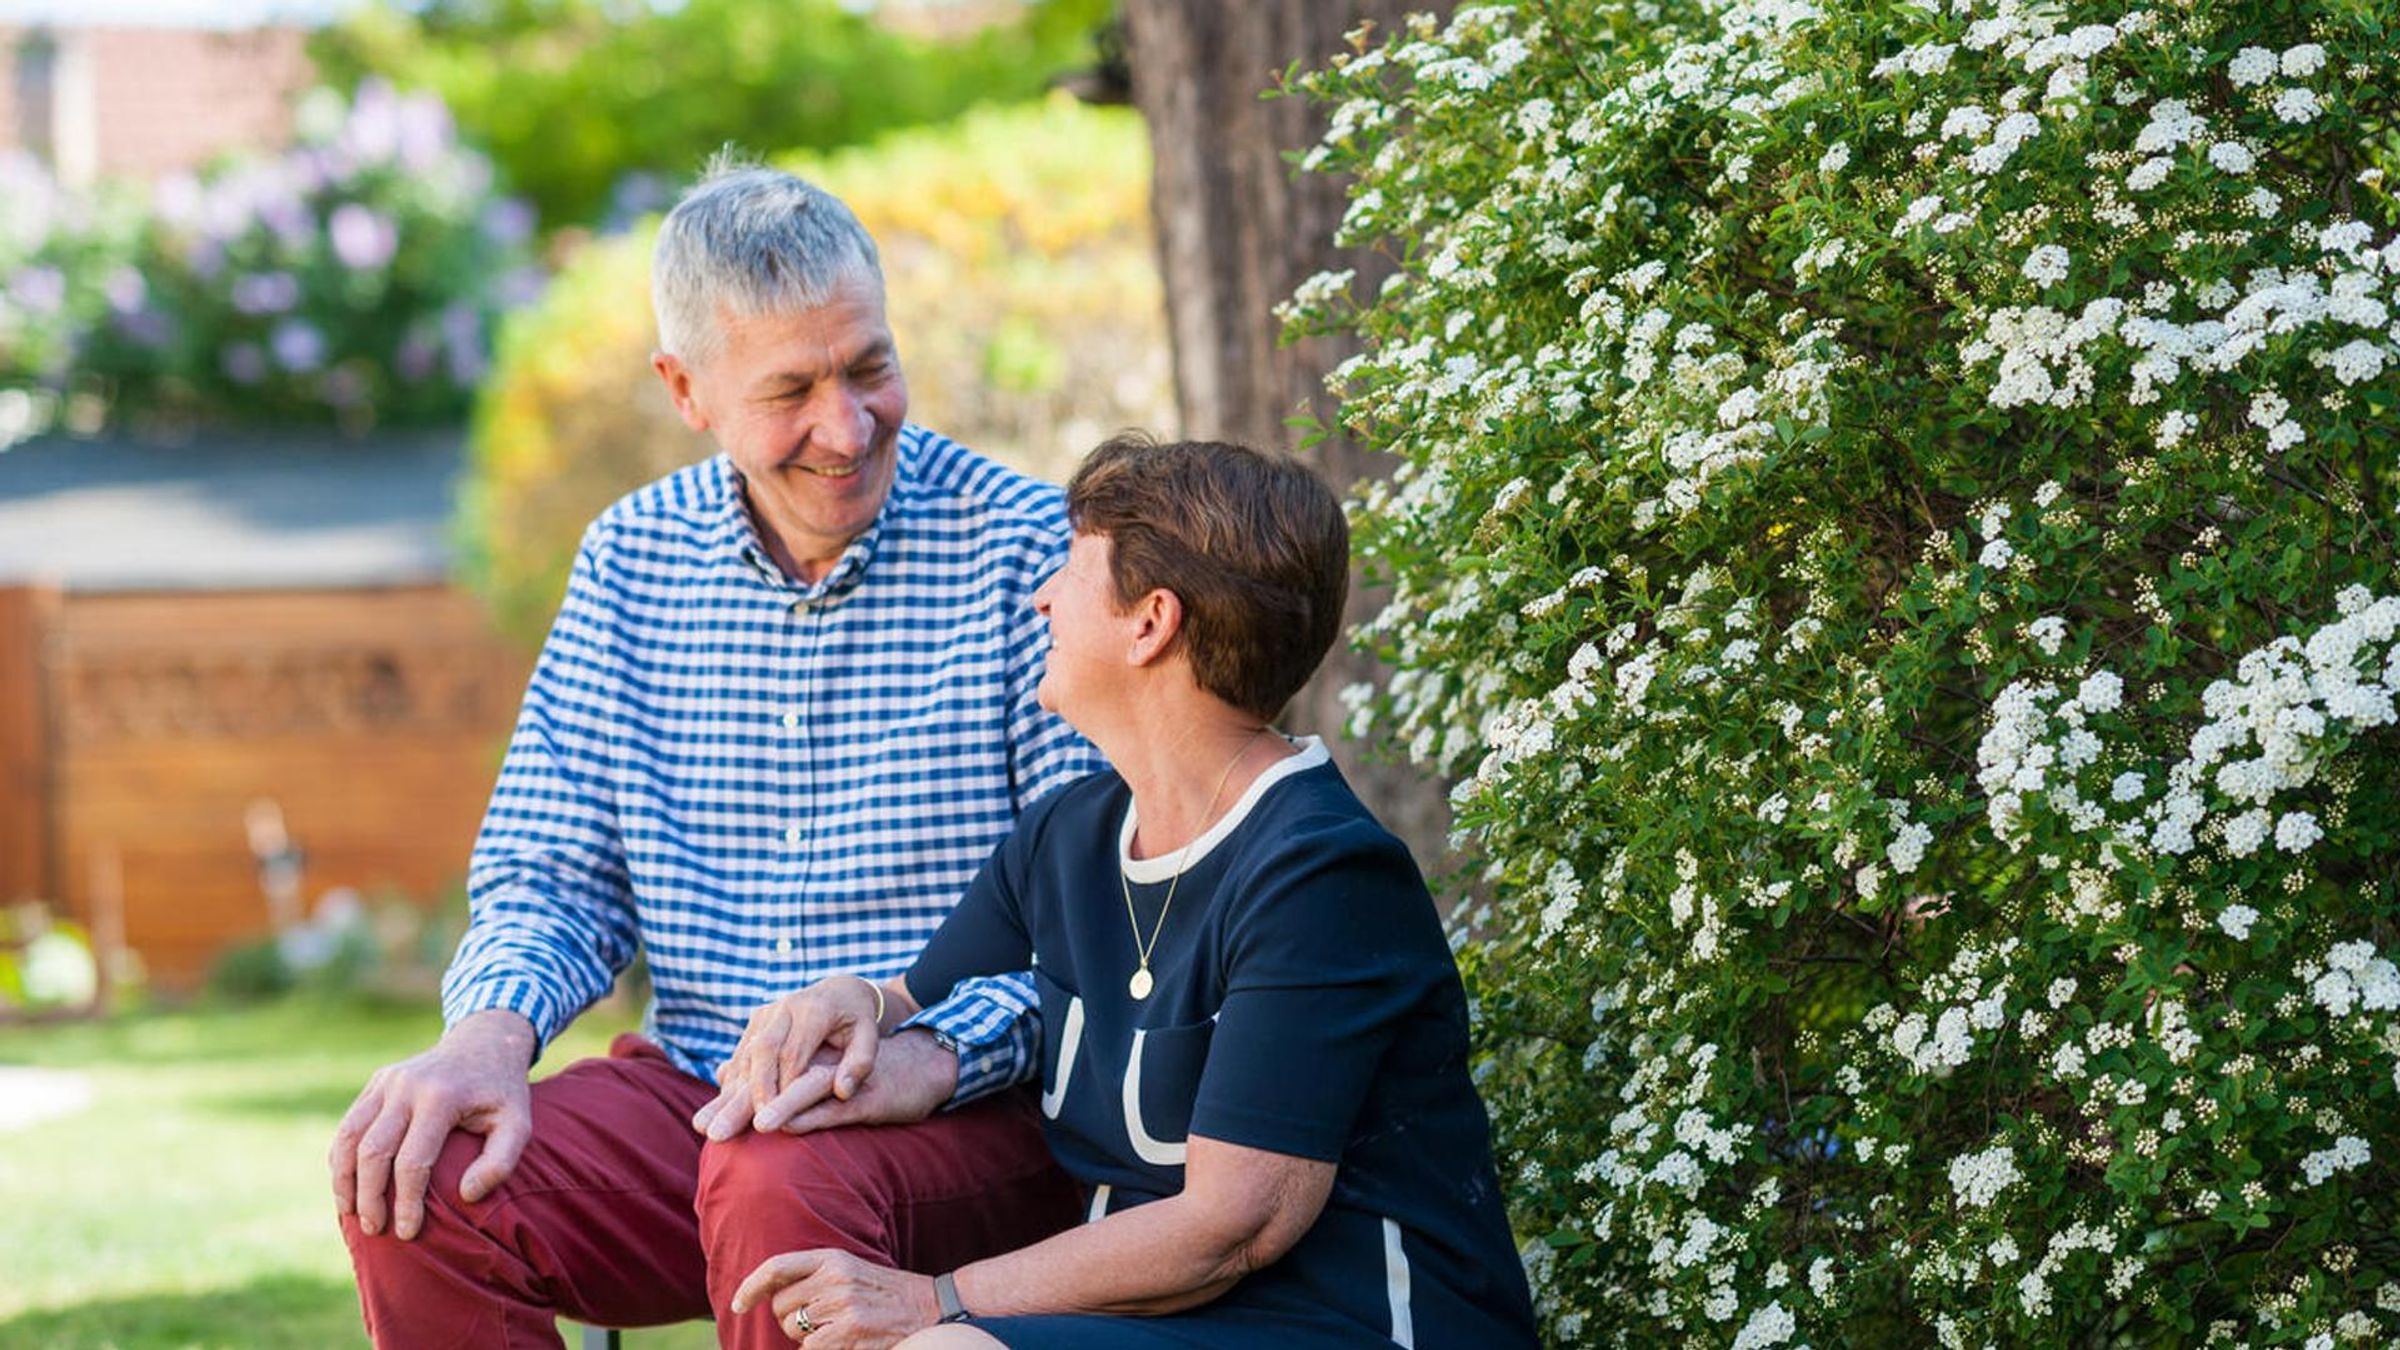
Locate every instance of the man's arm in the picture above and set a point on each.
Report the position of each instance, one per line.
(993, 1023)
(550, 925)
(551, 921)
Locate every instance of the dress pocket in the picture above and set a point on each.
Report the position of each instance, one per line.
(1062, 1040)
(1162, 1081)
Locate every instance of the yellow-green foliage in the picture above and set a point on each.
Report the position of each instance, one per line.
(1023, 292)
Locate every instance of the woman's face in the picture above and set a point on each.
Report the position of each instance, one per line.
(1091, 636)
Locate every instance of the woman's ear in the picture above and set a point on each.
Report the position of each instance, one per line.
(1158, 617)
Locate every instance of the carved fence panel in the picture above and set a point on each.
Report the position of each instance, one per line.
(373, 718)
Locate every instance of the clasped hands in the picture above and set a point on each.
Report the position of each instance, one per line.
(812, 1060)
(818, 1058)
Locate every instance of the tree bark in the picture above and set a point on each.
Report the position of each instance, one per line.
(1239, 228)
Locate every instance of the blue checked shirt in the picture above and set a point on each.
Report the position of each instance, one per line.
(760, 783)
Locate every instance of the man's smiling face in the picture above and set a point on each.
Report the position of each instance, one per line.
(808, 405)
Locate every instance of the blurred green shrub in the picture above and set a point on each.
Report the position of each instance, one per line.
(251, 972)
(581, 99)
(351, 278)
(389, 950)
(1022, 291)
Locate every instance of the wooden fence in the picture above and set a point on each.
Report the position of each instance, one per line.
(137, 731)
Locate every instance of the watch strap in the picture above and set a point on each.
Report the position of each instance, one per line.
(945, 1294)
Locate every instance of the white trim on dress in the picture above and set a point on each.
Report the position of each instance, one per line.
(1150, 871)
(1395, 1284)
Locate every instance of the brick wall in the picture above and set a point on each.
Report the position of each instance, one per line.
(168, 98)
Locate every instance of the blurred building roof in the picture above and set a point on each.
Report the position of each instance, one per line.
(228, 512)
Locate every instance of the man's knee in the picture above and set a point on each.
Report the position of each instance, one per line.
(758, 1190)
(449, 1221)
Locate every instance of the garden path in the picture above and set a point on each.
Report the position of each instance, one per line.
(30, 1096)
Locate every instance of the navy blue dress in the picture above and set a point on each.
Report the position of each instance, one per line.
(1305, 1003)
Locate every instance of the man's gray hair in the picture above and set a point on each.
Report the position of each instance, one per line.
(751, 240)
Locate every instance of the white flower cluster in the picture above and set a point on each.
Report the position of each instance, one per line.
(2266, 726)
(2263, 737)
(2036, 745)
(2348, 1154)
(1772, 1324)
(2033, 1288)
(1978, 1178)
(2355, 979)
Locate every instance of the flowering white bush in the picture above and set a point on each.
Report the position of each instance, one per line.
(1895, 542)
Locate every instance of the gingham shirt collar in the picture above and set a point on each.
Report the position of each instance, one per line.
(739, 531)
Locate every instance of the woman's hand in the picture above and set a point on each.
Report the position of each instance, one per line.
(777, 1071)
(849, 1303)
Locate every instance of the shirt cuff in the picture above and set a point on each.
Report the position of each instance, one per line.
(990, 1023)
(529, 1001)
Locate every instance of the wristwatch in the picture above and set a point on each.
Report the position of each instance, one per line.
(945, 1294)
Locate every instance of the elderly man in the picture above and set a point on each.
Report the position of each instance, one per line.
(786, 710)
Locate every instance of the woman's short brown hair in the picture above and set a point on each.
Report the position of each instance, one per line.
(1254, 546)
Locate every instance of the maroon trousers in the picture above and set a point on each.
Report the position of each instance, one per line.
(620, 1214)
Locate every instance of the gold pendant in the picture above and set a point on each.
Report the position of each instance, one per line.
(1139, 985)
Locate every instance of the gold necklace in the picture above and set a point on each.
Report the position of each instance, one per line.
(1139, 986)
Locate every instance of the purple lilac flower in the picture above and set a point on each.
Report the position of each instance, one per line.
(299, 347)
(362, 238)
(244, 363)
(38, 290)
(520, 286)
(462, 335)
(307, 172)
(372, 134)
(290, 220)
(126, 290)
(225, 210)
(423, 131)
(416, 357)
(343, 387)
(145, 328)
(335, 165)
(265, 293)
(206, 258)
(633, 196)
(178, 199)
(508, 221)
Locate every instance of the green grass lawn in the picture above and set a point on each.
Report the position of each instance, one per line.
(189, 1206)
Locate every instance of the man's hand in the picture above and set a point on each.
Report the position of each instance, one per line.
(850, 1303)
(777, 1071)
(472, 1079)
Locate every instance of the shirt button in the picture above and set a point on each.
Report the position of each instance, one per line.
(791, 719)
(783, 944)
(793, 834)
(799, 607)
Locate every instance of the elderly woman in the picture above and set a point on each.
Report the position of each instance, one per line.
(1254, 1039)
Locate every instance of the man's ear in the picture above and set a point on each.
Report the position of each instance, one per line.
(1158, 617)
(678, 378)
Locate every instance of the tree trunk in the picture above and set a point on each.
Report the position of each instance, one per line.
(1238, 229)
